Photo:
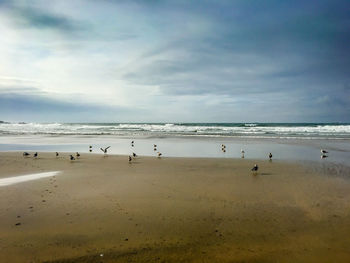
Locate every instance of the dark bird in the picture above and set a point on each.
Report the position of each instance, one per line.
(270, 156)
(154, 145)
(78, 155)
(90, 150)
(159, 154)
(324, 156)
(26, 154)
(57, 154)
(323, 151)
(90, 146)
(105, 150)
(132, 143)
(134, 155)
(155, 149)
(35, 154)
(72, 158)
(255, 168)
(130, 159)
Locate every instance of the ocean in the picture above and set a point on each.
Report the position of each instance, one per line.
(251, 130)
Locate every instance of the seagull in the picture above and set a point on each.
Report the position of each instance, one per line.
(56, 154)
(105, 150)
(255, 168)
(72, 158)
(130, 159)
(323, 151)
(78, 155)
(26, 154)
(270, 156)
(36, 154)
(134, 155)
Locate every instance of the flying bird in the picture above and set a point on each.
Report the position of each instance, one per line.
(105, 149)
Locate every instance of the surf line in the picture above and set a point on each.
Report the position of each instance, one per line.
(24, 178)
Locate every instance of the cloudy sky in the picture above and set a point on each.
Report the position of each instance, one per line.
(175, 61)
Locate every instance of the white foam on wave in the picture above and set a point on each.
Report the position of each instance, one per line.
(25, 178)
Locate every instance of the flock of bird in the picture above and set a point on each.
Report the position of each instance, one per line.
(159, 154)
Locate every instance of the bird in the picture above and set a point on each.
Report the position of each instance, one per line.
(255, 168)
(72, 158)
(105, 149)
(242, 152)
(134, 155)
(57, 154)
(323, 151)
(78, 155)
(159, 154)
(90, 148)
(36, 154)
(154, 145)
(324, 156)
(154, 149)
(26, 154)
(270, 156)
(132, 143)
(130, 159)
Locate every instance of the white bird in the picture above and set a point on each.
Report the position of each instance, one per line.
(323, 151)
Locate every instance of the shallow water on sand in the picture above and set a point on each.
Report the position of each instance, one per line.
(24, 178)
(282, 149)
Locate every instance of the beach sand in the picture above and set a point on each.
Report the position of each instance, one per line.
(103, 209)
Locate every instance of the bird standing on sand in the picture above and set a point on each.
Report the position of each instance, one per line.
(134, 155)
(270, 156)
(57, 154)
(72, 158)
(35, 154)
(255, 168)
(242, 153)
(159, 154)
(130, 159)
(26, 154)
(105, 150)
(78, 155)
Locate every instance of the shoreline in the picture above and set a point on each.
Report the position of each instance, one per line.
(172, 210)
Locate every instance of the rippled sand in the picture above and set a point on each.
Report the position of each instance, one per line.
(103, 209)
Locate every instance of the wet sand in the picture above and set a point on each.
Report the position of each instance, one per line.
(103, 209)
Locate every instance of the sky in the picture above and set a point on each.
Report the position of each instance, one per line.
(175, 61)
